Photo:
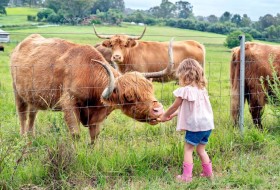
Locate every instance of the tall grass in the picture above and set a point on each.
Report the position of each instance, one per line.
(129, 154)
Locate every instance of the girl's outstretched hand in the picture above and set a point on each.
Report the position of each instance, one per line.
(163, 118)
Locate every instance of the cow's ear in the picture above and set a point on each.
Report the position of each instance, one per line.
(106, 43)
(131, 43)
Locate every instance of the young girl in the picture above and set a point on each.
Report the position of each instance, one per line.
(195, 116)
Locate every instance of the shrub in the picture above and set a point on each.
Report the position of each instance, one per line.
(233, 41)
(273, 94)
(31, 18)
(44, 14)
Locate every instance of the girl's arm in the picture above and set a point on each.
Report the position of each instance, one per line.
(171, 111)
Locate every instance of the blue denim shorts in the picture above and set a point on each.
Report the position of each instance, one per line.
(195, 138)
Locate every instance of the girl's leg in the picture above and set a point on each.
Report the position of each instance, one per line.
(188, 153)
(200, 149)
(188, 164)
(205, 162)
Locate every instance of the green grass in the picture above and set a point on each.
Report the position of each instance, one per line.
(129, 154)
(17, 16)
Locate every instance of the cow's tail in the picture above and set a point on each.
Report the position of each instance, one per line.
(234, 81)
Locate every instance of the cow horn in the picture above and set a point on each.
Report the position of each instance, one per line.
(108, 90)
(100, 36)
(138, 38)
(168, 69)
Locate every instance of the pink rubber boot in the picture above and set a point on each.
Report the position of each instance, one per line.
(207, 170)
(187, 173)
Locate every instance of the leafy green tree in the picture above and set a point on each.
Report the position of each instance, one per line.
(184, 9)
(155, 11)
(105, 5)
(266, 21)
(53, 4)
(165, 10)
(44, 14)
(212, 18)
(233, 41)
(226, 16)
(74, 11)
(236, 18)
(112, 16)
(245, 21)
(3, 4)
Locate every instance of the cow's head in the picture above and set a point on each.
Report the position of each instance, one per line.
(133, 93)
(119, 44)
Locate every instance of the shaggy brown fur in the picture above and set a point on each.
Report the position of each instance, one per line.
(59, 75)
(257, 65)
(148, 56)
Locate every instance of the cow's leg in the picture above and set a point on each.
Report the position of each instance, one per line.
(22, 108)
(256, 102)
(71, 114)
(255, 110)
(32, 116)
(94, 131)
(235, 104)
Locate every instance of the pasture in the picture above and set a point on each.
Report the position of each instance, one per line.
(129, 154)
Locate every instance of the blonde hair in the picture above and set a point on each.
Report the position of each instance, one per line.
(190, 72)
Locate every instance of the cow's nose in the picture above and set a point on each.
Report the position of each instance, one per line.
(116, 57)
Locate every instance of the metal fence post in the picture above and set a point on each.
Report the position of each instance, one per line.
(242, 82)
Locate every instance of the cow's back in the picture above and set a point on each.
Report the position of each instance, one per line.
(42, 68)
(150, 56)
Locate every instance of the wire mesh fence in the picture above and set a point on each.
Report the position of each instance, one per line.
(120, 137)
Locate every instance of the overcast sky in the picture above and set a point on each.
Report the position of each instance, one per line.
(253, 8)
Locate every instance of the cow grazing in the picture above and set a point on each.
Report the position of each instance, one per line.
(257, 65)
(54, 74)
(2, 48)
(130, 54)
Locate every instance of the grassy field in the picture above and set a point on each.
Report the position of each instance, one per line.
(17, 16)
(129, 154)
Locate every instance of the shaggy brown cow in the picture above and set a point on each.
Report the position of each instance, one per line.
(147, 56)
(59, 75)
(257, 65)
(1, 48)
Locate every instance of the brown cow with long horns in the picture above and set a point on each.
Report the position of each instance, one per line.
(59, 75)
(130, 54)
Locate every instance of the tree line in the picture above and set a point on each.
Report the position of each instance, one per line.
(178, 14)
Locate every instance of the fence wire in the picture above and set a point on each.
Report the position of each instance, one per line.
(119, 134)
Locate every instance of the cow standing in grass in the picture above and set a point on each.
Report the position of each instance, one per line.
(2, 48)
(54, 74)
(130, 54)
(258, 60)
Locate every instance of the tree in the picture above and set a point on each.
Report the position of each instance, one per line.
(184, 9)
(75, 10)
(245, 21)
(236, 19)
(233, 41)
(266, 21)
(165, 10)
(53, 4)
(225, 17)
(3, 4)
(105, 5)
(44, 14)
(155, 11)
(212, 18)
